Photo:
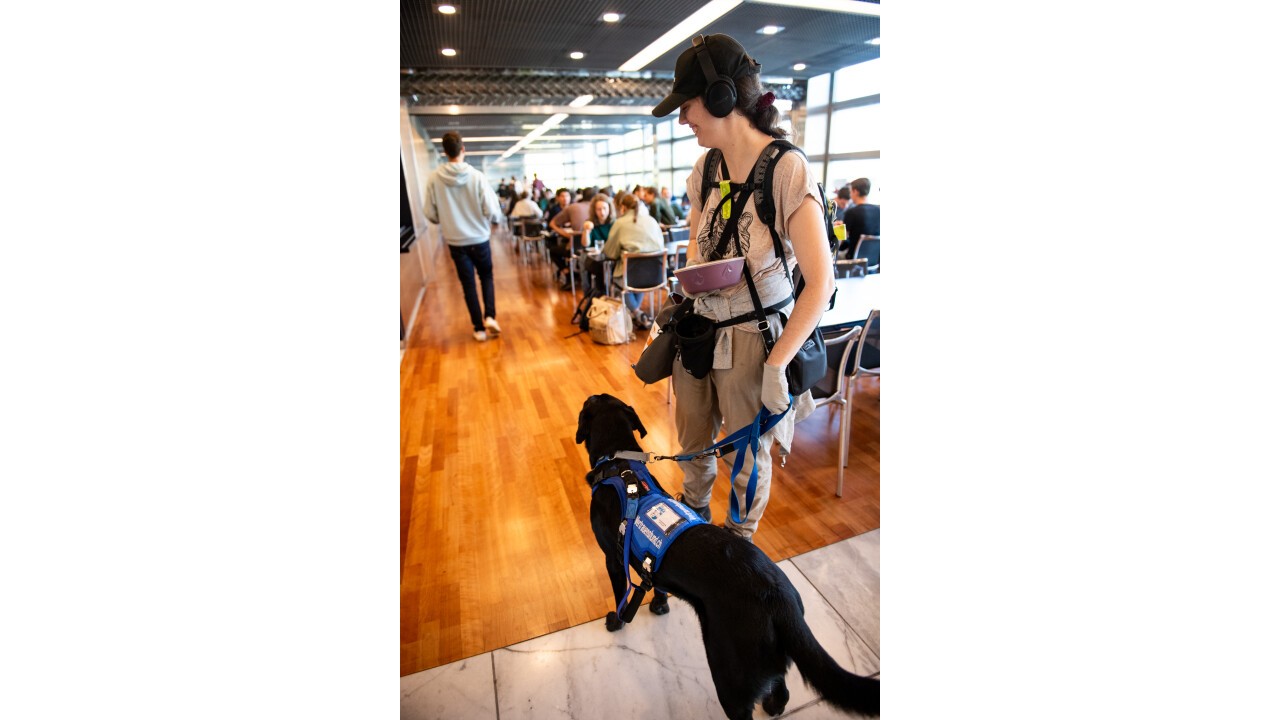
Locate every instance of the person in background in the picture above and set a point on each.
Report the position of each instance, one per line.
(675, 207)
(567, 224)
(659, 209)
(633, 231)
(744, 374)
(460, 200)
(558, 203)
(601, 222)
(525, 208)
(842, 200)
(862, 218)
(538, 186)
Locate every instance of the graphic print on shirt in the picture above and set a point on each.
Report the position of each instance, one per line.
(714, 229)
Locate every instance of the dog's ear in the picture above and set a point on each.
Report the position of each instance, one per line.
(584, 421)
(635, 421)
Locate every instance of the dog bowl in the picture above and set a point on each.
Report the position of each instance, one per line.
(715, 275)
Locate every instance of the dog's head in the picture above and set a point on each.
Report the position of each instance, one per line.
(606, 425)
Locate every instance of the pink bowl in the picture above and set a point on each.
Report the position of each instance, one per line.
(710, 276)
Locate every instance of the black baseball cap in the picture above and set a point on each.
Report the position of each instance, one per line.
(729, 58)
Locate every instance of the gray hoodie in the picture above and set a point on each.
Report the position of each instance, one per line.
(460, 200)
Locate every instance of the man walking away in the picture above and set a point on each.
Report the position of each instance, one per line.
(460, 200)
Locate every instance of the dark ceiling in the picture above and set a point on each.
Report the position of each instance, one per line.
(513, 59)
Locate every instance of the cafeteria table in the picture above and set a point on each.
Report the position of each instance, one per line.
(856, 297)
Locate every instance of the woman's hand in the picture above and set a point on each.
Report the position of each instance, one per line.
(774, 394)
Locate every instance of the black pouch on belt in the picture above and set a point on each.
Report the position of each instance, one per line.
(696, 336)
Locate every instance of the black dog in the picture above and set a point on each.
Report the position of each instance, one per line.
(752, 619)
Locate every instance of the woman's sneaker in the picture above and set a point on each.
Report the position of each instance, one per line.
(480, 336)
(491, 324)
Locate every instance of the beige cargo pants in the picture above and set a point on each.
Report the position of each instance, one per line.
(731, 397)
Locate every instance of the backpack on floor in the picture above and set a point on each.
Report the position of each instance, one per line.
(584, 305)
(609, 321)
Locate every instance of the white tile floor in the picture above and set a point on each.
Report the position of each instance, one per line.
(586, 672)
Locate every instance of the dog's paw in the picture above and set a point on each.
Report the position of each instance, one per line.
(611, 622)
(659, 608)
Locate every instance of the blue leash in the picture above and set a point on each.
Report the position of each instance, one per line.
(763, 423)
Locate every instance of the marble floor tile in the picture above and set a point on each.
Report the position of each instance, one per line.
(585, 671)
(847, 574)
(461, 690)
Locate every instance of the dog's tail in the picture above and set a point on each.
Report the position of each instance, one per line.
(852, 693)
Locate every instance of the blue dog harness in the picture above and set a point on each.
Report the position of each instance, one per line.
(651, 522)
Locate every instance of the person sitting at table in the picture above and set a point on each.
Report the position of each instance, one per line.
(633, 231)
(556, 204)
(525, 208)
(599, 225)
(862, 218)
(659, 209)
(568, 225)
(665, 192)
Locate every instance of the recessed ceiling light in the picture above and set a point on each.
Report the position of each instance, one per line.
(799, 66)
(448, 52)
(454, 109)
(873, 41)
(582, 100)
(447, 9)
(576, 55)
(611, 17)
(770, 30)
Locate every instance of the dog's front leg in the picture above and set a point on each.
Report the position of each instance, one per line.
(659, 605)
(617, 578)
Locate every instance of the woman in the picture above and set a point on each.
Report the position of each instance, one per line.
(632, 232)
(599, 225)
(743, 377)
(601, 218)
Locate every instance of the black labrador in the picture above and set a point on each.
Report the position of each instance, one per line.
(752, 619)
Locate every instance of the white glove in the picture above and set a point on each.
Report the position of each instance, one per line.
(773, 389)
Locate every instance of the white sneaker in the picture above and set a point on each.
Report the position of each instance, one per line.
(492, 325)
(480, 336)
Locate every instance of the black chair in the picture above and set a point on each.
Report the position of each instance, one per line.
(857, 350)
(644, 273)
(868, 247)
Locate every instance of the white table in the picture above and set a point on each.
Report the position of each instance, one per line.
(856, 297)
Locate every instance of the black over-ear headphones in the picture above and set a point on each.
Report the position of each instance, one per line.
(721, 94)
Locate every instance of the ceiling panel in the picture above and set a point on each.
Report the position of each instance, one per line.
(516, 54)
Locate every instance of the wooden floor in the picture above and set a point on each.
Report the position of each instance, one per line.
(495, 543)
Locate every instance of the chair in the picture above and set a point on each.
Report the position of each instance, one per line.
(644, 273)
(848, 349)
(868, 247)
(531, 232)
(678, 234)
(681, 259)
(851, 268)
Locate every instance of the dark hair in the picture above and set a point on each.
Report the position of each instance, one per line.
(862, 185)
(564, 190)
(650, 190)
(764, 119)
(524, 195)
(452, 144)
(843, 193)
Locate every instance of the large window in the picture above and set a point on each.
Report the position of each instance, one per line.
(848, 102)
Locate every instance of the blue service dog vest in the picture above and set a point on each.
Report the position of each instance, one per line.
(654, 518)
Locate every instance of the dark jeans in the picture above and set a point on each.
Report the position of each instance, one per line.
(470, 259)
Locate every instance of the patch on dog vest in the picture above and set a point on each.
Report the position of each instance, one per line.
(659, 519)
